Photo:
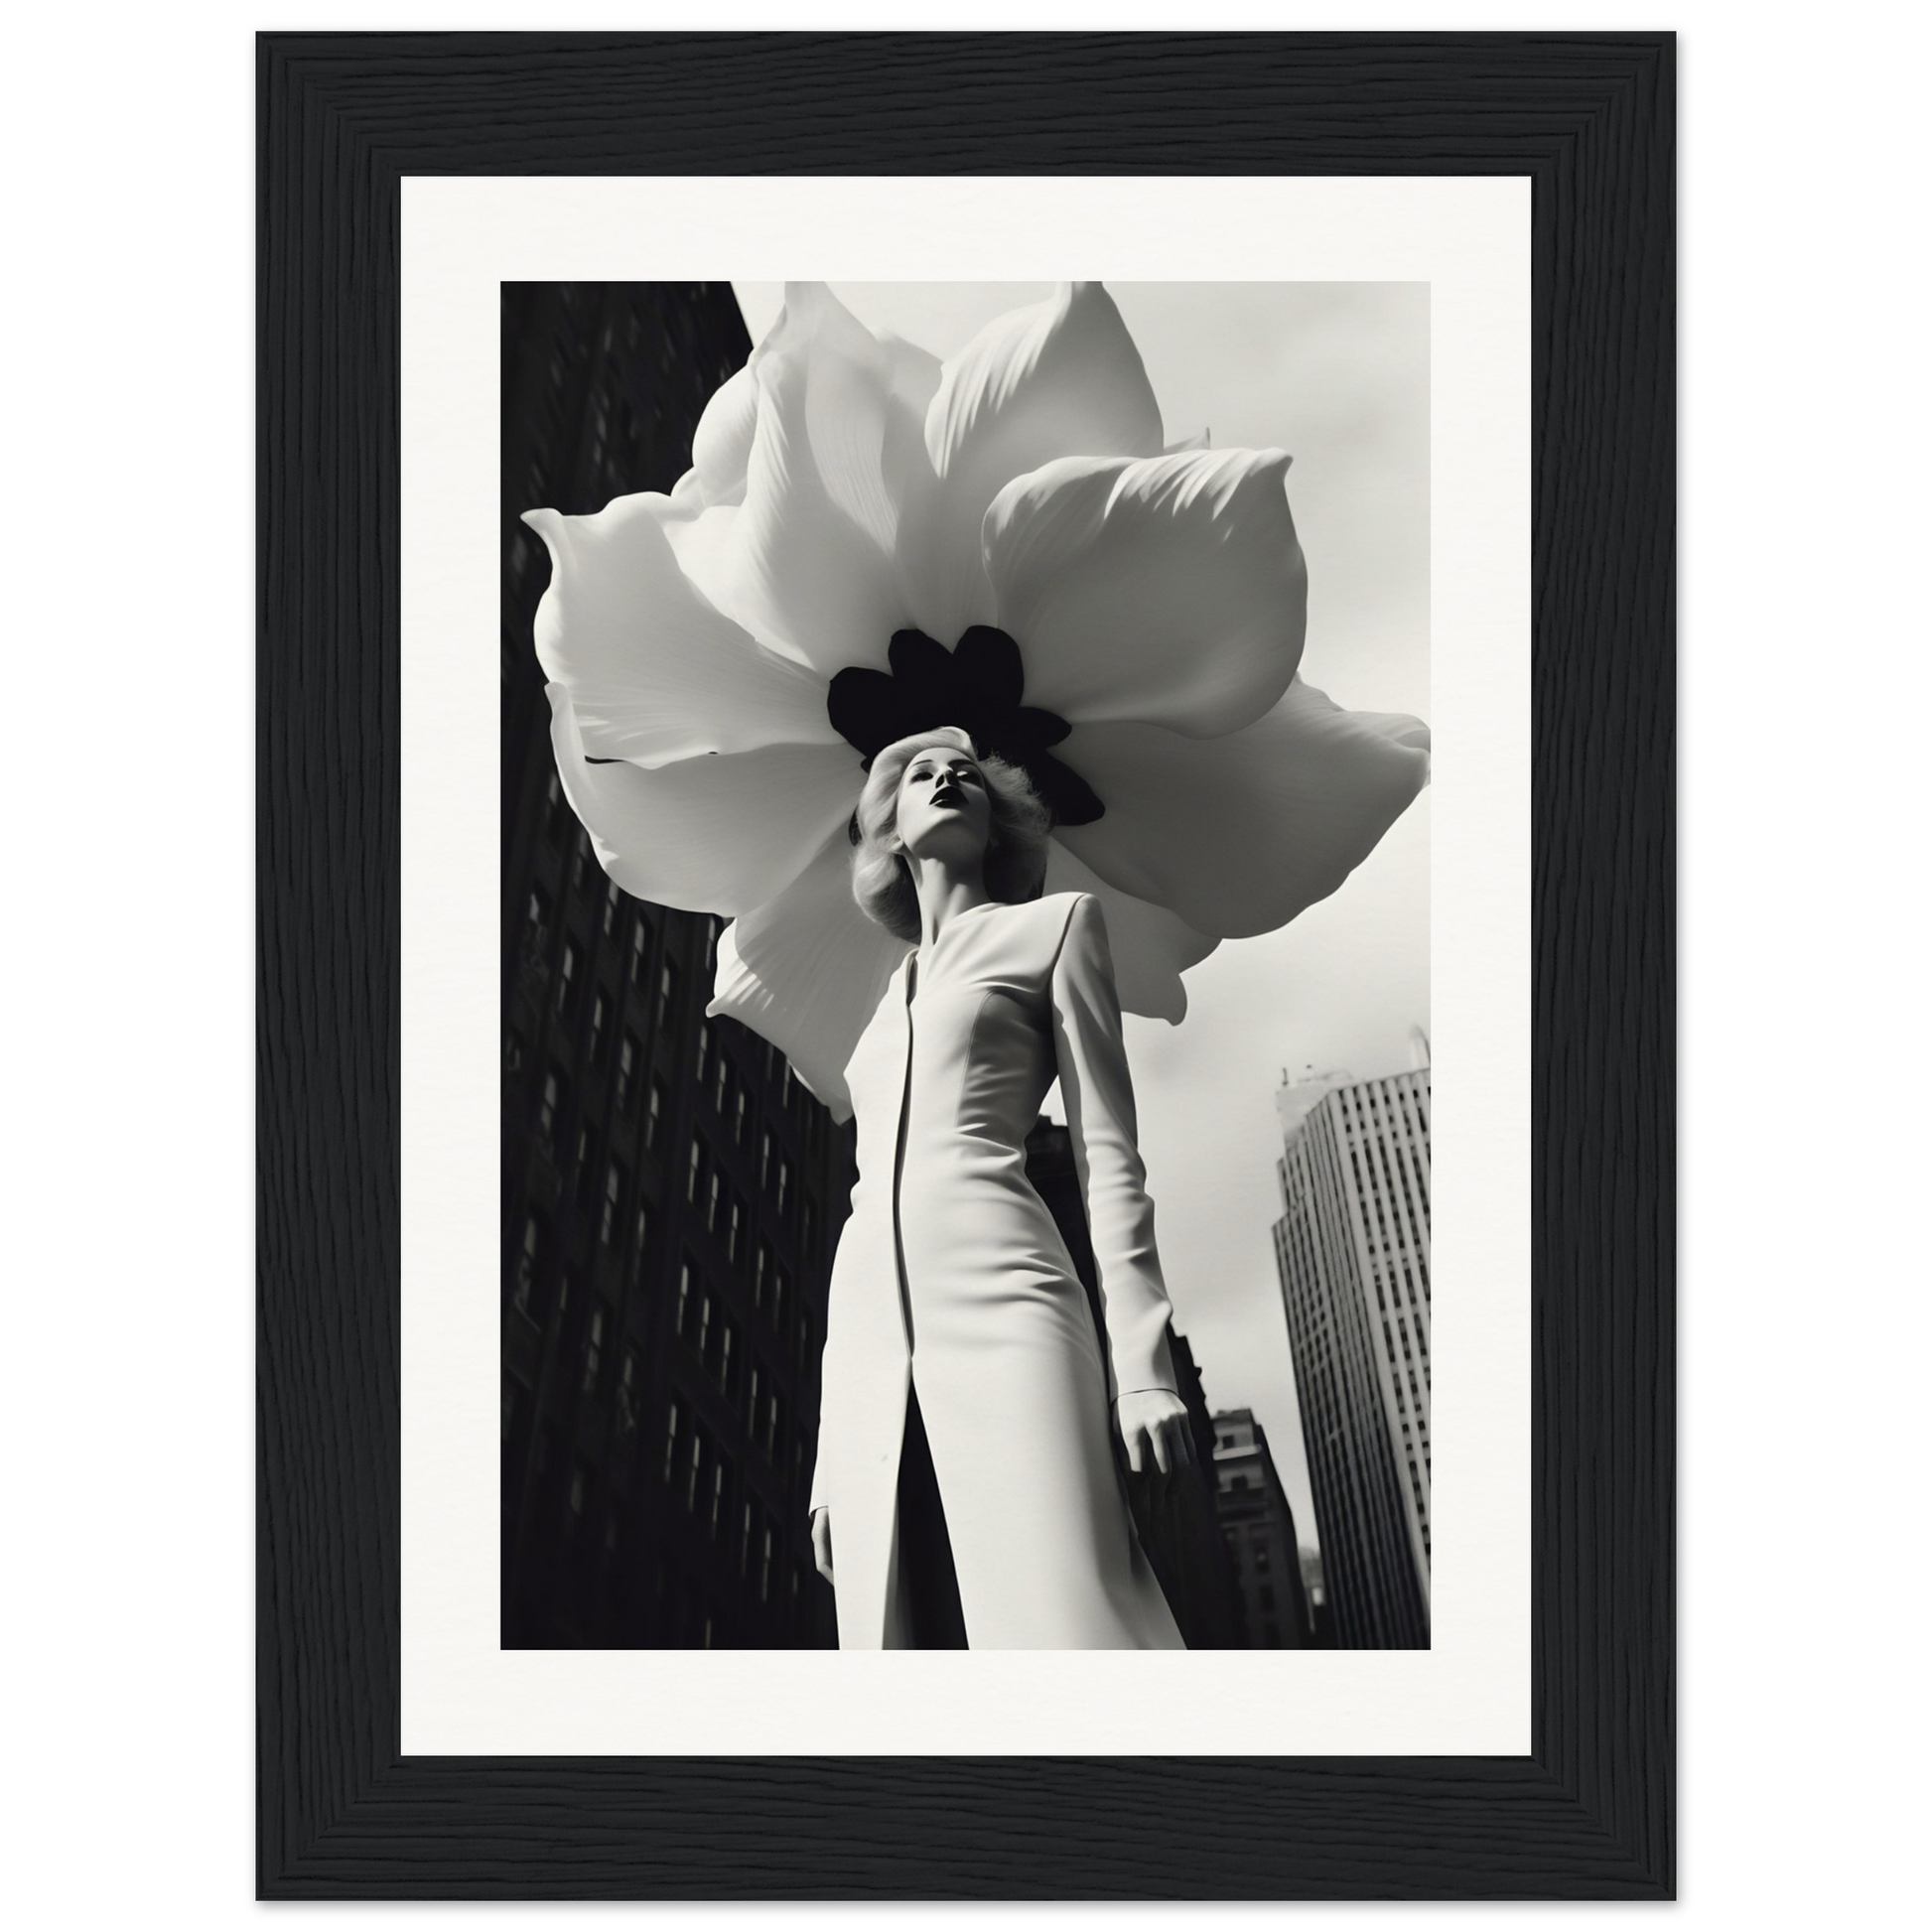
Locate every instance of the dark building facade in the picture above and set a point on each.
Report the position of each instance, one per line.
(672, 1195)
(1257, 1528)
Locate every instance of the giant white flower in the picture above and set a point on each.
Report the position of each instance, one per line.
(870, 543)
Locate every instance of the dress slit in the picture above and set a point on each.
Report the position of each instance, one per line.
(933, 1618)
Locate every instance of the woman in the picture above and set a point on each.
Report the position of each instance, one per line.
(966, 1473)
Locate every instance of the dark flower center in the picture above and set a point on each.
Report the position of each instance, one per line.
(976, 686)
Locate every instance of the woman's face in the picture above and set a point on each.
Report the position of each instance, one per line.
(944, 808)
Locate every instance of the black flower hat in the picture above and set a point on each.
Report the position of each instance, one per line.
(977, 687)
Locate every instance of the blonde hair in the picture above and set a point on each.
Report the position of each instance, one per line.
(1016, 844)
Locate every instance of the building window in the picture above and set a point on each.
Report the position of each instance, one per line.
(809, 1213)
(694, 1469)
(599, 1020)
(666, 994)
(687, 1290)
(526, 1264)
(536, 924)
(584, 1164)
(784, 1184)
(612, 904)
(673, 1438)
(762, 1275)
(639, 951)
(765, 1567)
(513, 1051)
(627, 1076)
(735, 1233)
(1261, 1559)
(613, 1194)
(628, 1394)
(641, 1236)
(577, 1488)
(593, 1352)
(550, 1107)
(567, 978)
(714, 1202)
(741, 1116)
(729, 1354)
(660, 1106)
(764, 1162)
(706, 1331)
(720, 1082)
(556, 813)
(707, 1047)
(694, 1168)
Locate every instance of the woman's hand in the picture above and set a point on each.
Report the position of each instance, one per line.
(1153, 1426)
(822, 1543)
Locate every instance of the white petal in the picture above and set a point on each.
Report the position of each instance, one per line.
(654, 672)
(807, 970)
(1151, 947)
(700, 538)
(1239, 834)
(1171, 591)
(806, 563)
(709, 834)
(722, 445)
(1060, 378)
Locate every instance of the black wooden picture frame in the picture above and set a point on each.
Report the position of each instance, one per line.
(342, 119)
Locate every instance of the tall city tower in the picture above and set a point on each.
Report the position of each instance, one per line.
(1352, 1250)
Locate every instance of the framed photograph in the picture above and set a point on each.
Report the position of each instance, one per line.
(568, 1001)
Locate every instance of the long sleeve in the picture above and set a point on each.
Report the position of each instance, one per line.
(1099, 1098)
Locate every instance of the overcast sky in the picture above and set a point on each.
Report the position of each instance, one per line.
(1338, 374)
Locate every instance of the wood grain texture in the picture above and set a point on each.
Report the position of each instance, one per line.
(341, 119)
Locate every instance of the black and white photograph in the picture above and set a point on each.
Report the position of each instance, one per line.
(965, 980)
(968, 953)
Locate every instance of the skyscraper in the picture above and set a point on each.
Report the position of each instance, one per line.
(1352, 1250)
(1258, 1526)
(672, 1195)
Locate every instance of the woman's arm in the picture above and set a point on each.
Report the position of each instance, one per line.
(1099, 1099)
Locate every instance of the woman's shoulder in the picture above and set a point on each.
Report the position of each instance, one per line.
(1057, 919)
(1054, 911)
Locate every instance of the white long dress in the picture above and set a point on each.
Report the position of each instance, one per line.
(952, 1275)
